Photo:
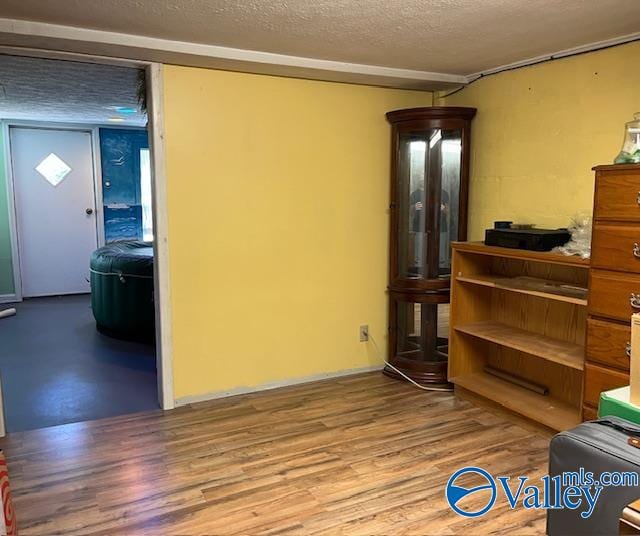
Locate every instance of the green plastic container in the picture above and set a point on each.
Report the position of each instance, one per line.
(616, 403)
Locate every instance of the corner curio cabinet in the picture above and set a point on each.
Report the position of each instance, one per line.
(429, 191)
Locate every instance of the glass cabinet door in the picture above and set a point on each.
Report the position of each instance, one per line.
(412, 204)
(427, 200)
(451, 158)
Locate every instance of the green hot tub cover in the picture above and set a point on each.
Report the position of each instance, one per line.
(122, 290)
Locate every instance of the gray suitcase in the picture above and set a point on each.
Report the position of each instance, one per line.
(597, 446)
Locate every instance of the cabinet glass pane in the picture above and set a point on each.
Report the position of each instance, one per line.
(422, 331)
(412, 203)
(427, 200)
(451, 151)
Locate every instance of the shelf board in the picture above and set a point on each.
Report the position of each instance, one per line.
(564, 353)
(549, 411)
(521, 254)
(542, 288)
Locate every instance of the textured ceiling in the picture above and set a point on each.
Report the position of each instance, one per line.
(54, 90)
(446, 36)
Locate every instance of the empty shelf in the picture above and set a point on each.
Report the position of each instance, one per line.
(564, 353)
(543, 288)
(549, 411)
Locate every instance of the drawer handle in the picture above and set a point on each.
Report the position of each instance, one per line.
(627, 350)
(638, 198)
(636, 250)
(634, 300)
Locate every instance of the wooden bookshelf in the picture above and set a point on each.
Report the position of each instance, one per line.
(522, 313)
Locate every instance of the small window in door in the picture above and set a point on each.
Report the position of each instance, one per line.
(53, 168)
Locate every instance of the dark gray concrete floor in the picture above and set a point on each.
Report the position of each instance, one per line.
(56, 368)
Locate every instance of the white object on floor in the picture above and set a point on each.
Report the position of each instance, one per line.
(7, 312)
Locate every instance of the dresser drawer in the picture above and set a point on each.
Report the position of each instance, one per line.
(598, 379)
(616, 247)
(617, 196)
(611, 294)
(607, 343)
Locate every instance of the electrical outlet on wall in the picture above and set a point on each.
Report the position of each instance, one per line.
(364, 333)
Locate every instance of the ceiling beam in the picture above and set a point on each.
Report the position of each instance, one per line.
(39, 35)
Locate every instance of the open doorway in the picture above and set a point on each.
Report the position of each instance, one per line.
(76, 240)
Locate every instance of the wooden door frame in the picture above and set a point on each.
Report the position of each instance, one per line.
(155, 129)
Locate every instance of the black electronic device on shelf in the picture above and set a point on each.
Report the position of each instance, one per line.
(506, 236)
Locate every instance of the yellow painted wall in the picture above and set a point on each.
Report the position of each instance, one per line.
(539, 131)
(278, 196)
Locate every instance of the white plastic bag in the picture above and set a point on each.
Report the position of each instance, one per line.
(580, 243)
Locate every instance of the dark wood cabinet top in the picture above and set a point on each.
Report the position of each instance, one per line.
(617, 167)
(431, 112)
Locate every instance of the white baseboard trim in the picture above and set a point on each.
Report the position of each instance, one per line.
(185, 400)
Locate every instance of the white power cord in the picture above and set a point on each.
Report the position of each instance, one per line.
(373, 341)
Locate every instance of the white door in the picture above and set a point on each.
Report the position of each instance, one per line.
(55, 209)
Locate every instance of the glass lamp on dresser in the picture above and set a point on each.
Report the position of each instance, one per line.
(428, 209)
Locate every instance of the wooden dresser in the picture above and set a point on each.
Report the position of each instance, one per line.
(614, 281)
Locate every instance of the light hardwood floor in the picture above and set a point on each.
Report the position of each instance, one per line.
(359, 455)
